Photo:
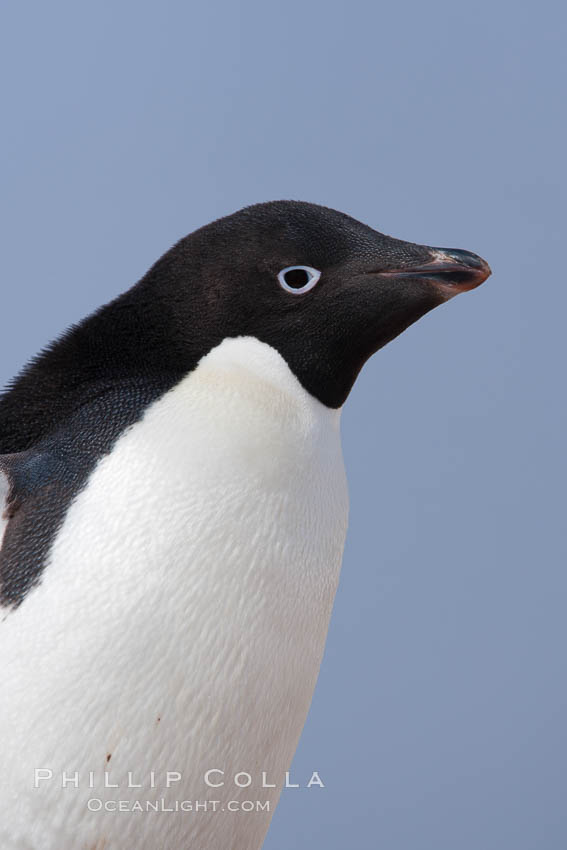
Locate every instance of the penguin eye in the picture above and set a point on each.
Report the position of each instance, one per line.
(298, 279)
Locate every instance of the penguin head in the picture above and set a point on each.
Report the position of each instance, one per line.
(323, 289)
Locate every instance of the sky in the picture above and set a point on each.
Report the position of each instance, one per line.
(439, 716)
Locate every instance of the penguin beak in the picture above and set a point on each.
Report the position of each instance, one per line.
(450, 271)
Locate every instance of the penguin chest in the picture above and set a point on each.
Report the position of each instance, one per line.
(181, 619)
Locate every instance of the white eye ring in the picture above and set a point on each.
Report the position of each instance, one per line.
(313, 278)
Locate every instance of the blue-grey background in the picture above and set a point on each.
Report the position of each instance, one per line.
(439, 717)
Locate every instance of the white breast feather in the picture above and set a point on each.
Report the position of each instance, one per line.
(181, 620)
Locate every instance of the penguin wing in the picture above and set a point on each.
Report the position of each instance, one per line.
(4, 496)
(6, 490)
(30, 482)
(23, 477)
(40, 481)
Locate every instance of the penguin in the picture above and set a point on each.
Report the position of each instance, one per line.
(174, 509)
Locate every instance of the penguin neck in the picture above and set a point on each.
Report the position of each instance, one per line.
(261, 376)
(131, 339)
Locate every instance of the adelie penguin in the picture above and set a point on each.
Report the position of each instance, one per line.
(174, 509)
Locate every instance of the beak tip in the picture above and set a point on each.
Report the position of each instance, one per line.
(467, 259)
(463, 269)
